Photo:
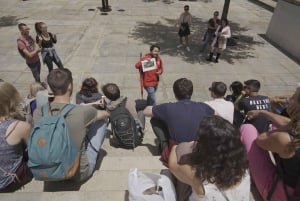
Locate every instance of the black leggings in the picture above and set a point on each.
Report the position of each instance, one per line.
(48, 60)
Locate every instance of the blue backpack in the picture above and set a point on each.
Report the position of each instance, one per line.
(52, 154)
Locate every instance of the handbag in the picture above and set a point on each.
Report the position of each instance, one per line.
(143, 186)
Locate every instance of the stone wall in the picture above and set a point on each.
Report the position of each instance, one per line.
(284, 27)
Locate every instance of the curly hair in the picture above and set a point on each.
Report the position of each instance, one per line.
(89, 86)
(219, 156)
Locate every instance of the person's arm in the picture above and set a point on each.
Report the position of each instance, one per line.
(160, 68)
(185, 173)
(274, 142)
(53, 37)
(36, 50)
(276, 119)
(227, 33)
(20, 132)
(102, 115)
(148, 111)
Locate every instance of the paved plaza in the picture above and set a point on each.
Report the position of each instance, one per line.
(107, 45)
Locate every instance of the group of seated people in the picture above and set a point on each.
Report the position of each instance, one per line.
(210, 147)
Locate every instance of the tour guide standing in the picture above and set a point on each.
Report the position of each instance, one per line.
(150, 67)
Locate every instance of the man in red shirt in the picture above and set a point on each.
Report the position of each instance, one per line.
(150, 67)
(30, 49)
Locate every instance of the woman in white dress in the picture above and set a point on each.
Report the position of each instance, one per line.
(220, 40)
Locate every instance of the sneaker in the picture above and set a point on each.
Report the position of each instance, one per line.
(179, 46)
(188, 49)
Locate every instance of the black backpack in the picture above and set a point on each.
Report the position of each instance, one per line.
(21, 51)
(124, 127)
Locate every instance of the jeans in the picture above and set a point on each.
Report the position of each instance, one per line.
(209, 36)
(36, 70)
(94, 139)
(48, 60)
(151, 95)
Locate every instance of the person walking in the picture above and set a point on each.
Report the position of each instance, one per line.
(219, 43)
(29, 50)
(184, 21)
(150, 67)
(46, 41)
(212, 26)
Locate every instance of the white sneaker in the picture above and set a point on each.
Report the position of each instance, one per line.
(188, 49)
(179, 46)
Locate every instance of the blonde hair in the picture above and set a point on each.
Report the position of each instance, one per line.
(34, 88)
(10, 100)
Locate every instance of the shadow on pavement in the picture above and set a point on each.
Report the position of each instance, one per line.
(242, 46)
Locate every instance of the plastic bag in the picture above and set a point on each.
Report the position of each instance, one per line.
(145, 186)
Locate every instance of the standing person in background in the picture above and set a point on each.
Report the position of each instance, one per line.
(46, 40)
(212, 26)
(150, 67)
(14, 134)
(219, 43)
(184, 21)
(29, 50)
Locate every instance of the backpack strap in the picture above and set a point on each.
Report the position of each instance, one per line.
(66, 109)
(123, 103)
(46, 110)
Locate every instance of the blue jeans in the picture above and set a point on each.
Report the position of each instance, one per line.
(151, 95)
(95, 137)
(208, 40)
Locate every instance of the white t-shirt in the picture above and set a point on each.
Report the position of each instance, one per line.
(223, 108)
(212, 193)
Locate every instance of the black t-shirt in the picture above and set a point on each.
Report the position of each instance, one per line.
(256, 103)
(211, 22)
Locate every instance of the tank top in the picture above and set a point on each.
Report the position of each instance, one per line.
(291, 168)
(10, 156)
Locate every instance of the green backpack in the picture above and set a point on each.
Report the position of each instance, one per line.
(52, 154)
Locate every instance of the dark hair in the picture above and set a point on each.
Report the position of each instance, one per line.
(226, 21)
(216, 13)
(236, 87)
(59, 80)
(37, 27)
(219, 156)
(111, 91)
(183, 88)
(218, 88)
(154, 46)
(20, 25)
(254, 85)
(89, 86)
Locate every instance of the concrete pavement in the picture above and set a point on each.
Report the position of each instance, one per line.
(107, 47)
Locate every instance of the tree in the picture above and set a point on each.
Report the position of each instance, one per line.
(225, 9)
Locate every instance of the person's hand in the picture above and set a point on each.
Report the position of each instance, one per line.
(252, 114)
(158, 72)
